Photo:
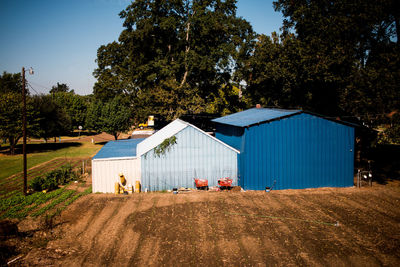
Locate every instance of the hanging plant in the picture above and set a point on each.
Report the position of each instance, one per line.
(165, 146)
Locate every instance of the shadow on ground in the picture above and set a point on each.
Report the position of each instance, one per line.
(41, 147)
(385, 163)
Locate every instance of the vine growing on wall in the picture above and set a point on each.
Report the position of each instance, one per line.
(165, 146)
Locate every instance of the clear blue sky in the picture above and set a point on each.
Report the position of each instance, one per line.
(59, 39)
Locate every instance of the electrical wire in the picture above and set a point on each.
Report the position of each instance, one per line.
(39, 85)
(32, 88)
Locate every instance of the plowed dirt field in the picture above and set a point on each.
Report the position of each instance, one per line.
(313, 227)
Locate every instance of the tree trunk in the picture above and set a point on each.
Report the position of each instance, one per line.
(187, 49)
(12, 145)
(13, 142)
(116, 136)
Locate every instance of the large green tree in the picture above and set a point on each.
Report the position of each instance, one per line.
(10, 82)
(11, 110)
(74, 105)
(115, 117)
(53, 120)
(60, 87)
(275, 74)
(93, 115)
(11, 118)
(333, 57)
(173, 56)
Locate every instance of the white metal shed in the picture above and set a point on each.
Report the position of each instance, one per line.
(115, 157)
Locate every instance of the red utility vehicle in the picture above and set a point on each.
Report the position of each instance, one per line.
(201, 183)
(225, 183)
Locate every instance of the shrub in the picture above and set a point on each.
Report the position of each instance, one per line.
(37, 183)
(51, 180)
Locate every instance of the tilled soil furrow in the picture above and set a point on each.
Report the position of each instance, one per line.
(119, 250)
(390, 216)
(80, 240)
(265, 204)
(217, 235)
(383, 204)
(322, 236)
(260, 251)
(346, 239)
(248, 245)
(205, 252)
(289, 230)
(305, 231)
(269, 249)
(145, 248)
(279, 228)
(349, 220)
(96, 233)
(90, 218)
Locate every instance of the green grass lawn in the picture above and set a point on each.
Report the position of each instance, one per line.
(10, 165)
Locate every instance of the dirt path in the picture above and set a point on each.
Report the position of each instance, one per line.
(281, 228)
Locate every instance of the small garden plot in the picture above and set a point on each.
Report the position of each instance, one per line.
(47, 197)
(39, 203)
(13, 184)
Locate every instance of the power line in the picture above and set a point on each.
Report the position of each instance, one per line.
(45, 87)
(32, 88)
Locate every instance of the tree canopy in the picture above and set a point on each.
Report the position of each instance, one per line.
(60, 88)
(53, 119)
(113, 116)
(11, 118)
(173, 56)
(333, 57)
(10, 82)
(75, 106)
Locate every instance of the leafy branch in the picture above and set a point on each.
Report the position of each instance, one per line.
(165, 146)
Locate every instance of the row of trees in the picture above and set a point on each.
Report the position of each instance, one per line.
(58, 113)
(338, 58)
(333, 57)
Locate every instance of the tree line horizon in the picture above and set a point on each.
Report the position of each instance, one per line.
(177, 57)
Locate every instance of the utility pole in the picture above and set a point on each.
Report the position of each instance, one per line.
(24, 128)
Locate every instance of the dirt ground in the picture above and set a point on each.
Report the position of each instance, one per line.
(312, 227)
(98, 138)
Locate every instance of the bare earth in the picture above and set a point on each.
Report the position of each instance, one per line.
(279, 228)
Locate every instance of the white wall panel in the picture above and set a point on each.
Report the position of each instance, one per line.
(105, 173)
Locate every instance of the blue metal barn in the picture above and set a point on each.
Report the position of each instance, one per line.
(289, 149)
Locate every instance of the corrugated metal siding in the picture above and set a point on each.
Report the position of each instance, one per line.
(105, 173)
(230, 135)
(302, 151)
(195, 155)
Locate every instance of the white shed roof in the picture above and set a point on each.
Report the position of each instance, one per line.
(168, 131)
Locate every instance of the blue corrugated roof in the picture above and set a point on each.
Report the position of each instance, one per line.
(118, 149)
(254, 116)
